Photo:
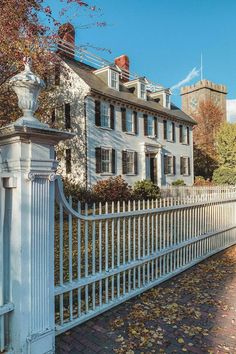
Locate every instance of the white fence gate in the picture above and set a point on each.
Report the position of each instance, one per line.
(109, 253)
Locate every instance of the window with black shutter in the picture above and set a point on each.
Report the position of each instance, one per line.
(155, 127)
(181, 134)
(57, 74)
(112, 117)
(165, 129)
(173, 131)
(189, 166)
(68, 160)
(174, 165)
(124, 162)
(165, 164)
(67, 116)
(98, 159)
(188, 140)
(113, 162)
(98, 113)
(145, 124)
(181, 165)
(123, 119)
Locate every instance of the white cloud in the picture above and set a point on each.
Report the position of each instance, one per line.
(193, 73)
(231, 110)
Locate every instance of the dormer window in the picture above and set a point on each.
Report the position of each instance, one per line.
(167, 101)
(114, 80)
(142, 91)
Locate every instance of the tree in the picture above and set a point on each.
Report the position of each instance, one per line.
(226, 155)
(27, 28)
(209, 117)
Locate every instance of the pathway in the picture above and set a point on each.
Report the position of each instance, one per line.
(192, 313)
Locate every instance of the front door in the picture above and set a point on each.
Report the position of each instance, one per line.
(153, 169)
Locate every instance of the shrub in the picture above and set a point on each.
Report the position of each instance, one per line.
(77, 192)
(225, 175)
(201, 181)
(178, 182)
(112, 189)
(145, 190)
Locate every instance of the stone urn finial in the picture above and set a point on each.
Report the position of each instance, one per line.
(27, 86)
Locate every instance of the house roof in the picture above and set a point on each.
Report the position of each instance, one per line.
(98, 86)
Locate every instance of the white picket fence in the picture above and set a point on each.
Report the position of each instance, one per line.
(182, 192)
(110, 253)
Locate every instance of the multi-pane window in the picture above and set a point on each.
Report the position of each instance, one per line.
(185, 166)
(167, 101)
(129, 121)
(184, 134)
(114, 80)
(169, 130)
(169, 165)
(106, 160)
(150, 130)
(130, 161)
(105, 117)
(142, 90)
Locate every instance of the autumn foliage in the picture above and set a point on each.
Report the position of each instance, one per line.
(27, 28)
(209, 117)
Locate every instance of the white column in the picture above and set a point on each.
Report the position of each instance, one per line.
(27, 171)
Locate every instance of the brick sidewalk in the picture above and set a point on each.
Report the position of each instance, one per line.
(192, 313)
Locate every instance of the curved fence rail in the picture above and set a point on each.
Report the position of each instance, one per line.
(109, 253)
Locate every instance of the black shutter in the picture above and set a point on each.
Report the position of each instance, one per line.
(53, 116)
(181, 165)
(135, 115)
(165, 164)
(67, 116)
(112, 116)
(188, 135)
(98, 113)
(173, 131)
(189, 169)
(180, 133)
(98, 155)
(68, 160)
(113, 161)
(136, 162)
(123, 119)
(165, 129)
(145, 118)
(155, 127)
(174, 165)
(124, 162)
(57, 74)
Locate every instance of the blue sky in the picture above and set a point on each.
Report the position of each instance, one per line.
(164, 39)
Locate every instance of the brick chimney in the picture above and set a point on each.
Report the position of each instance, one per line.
(123, 63)
(66, 47)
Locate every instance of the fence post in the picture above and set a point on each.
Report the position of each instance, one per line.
(27, 183)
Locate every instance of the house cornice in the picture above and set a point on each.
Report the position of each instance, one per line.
(139, 107)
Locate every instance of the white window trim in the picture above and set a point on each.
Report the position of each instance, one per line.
(170, 138)
(139, 91)
(110, 71)
(172, 164)
(133, 172)
(110, 161)
(109, 117)
(186, 159)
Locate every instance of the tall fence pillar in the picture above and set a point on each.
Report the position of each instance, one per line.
(27, 196)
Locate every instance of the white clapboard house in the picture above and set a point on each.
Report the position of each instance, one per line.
(123, 124)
